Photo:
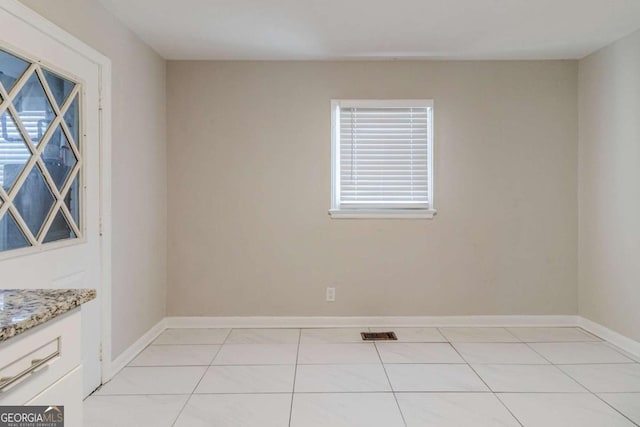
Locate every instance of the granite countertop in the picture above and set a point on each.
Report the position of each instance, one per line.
(23, 309)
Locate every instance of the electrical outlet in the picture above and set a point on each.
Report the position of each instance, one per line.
(331, 294)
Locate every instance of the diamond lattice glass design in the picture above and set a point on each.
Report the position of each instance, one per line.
(38, 163)
(72, 119)
(59, 230)
(59, 86)
(58, 158)
(34, 210)
(34, 109)
(10, 235)
(11, 68)
(14, 153)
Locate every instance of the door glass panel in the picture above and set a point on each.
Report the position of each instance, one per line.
(11, 68)
(10, 235)
(59, 158)
(27, 117)
(34, 201)
(71, 118)
(34, 108)
(59, 230)
(60, 87)
(14, 153)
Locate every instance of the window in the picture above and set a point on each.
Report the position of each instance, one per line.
(382, 159)
(40, 161)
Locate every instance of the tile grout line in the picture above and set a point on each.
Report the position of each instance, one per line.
(200, 380)
(365, 392)
(517, 339)
(372, 363)
(615, 409)
(632, 357)
(395, 397)
(558, 367)
(512, 334)
(538, 353)
(295, 374)
(464, 361)
(598, 397)
(486, 385)
(630, 362)
(618, 350)
(497, 396)
(221, 345)
(628, 355)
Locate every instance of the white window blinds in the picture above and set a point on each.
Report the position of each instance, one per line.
(382, 155)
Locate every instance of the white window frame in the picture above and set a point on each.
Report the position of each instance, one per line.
(389, 213)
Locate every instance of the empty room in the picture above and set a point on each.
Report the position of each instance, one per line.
(280, 213)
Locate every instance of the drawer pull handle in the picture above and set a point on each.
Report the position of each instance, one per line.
(36, 364)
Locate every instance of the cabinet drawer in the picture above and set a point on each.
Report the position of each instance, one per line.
(66, 392)
(33, 361)
(29, 364)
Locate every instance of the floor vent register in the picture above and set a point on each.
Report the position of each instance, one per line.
(379, 336)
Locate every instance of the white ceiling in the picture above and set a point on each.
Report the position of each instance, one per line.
(359, 29)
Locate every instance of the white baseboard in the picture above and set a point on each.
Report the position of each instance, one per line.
(627, 344)
(624, 343)
(360, 321)
(132, 351)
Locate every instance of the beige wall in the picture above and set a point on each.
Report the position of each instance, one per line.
(249, 187)
(139, 164)
(249, 177)
(609, 192)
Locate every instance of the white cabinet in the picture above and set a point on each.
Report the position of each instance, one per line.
(66, 392)
(43, 367)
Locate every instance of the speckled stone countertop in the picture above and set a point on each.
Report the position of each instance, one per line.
(23, 309)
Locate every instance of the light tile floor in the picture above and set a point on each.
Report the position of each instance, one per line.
(441, 377)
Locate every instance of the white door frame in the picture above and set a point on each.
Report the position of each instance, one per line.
(27, 15)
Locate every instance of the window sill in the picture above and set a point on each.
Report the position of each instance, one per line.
(382, 214)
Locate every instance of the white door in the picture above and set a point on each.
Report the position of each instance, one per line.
(50, 172)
